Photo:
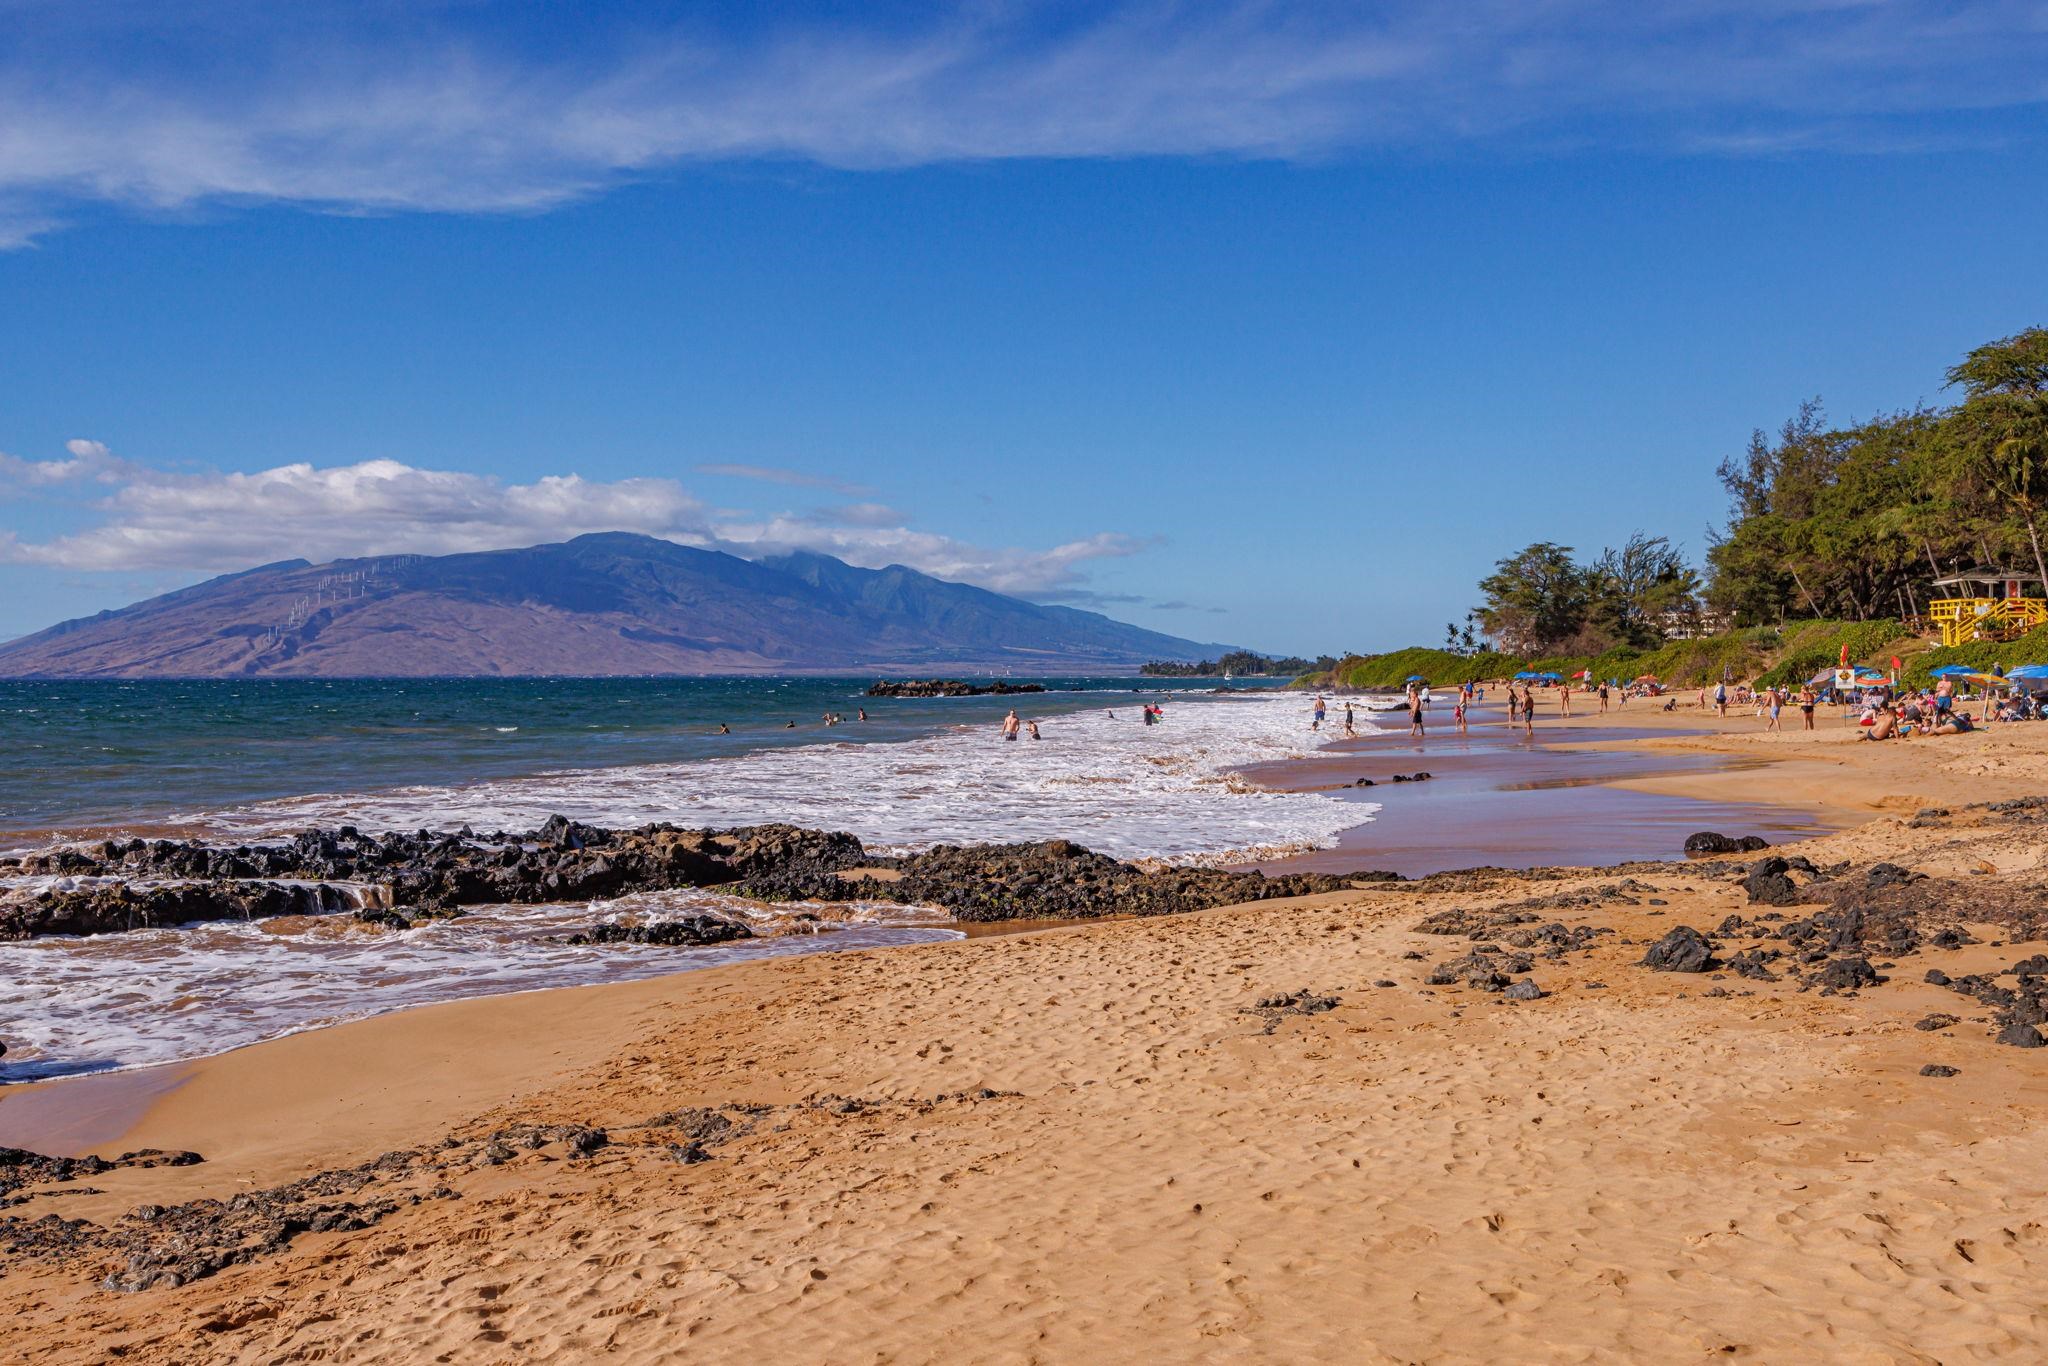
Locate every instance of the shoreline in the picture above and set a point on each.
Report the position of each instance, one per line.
(100, 1111)
(1102, 1119)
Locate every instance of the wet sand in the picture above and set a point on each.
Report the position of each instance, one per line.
(1499, 797)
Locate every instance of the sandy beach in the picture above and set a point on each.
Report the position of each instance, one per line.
(1249, 1134)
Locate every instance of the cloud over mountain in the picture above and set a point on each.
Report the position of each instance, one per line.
(212, 521)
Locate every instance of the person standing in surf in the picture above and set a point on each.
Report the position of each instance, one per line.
(1010, 726)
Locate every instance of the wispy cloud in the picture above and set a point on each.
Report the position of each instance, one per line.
(148, 520)
(775, 474)
(473, 108)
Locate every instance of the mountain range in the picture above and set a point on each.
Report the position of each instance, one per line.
(611, 603)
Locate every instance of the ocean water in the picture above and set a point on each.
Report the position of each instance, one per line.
(250, 760)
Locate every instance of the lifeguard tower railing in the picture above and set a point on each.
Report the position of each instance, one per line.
(1987, 604)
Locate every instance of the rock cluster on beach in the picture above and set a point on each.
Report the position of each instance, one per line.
(154, 1246)
(393, 879)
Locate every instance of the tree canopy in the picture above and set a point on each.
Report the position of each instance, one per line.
(1855, 521)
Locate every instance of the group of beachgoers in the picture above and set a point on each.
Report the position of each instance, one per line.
(1882, 710)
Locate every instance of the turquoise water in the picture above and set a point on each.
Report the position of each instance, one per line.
(88, 754)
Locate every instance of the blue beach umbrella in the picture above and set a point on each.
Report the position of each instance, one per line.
(1948, 669)
(1415, 678)
(2028, 671)
(1526, 674)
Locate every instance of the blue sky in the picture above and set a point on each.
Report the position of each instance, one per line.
(1264, 323)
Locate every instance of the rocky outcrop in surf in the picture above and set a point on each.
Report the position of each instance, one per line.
(948, 687)
(396, 878)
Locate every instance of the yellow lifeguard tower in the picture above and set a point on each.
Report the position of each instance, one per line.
(1989, 604)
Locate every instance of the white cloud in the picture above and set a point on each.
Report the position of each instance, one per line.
(439, 109)
(218, 522)
(89, 461)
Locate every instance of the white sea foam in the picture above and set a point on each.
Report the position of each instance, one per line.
(151, 996)
(1115, 785)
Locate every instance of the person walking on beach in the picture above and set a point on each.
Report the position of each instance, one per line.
(1350, 726)
(1415, 710)
(1776, 704)
(1806, 701)
(1514, 705)
(1721, 699)
(1317, 724)
(1564, 699)
(1458, 714)
(1529, 707)
(1603, 699)
(1010, 726)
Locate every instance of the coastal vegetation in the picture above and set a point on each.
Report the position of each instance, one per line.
(1837, 539)
(1794, 650)
(1238, 664)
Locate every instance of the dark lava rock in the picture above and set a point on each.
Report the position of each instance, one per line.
(1685, 949)
(1299, 1003)
(1524, 990)
(948, 687)
(689, 931)
(1936, 1069)
(428, 873)
(1936, 977)
(1934, 1021)
(1487, 971)
(2019, 1035)
(19, 1167)
(1769, 885)
(1055, 879)
(1750, 963)
(1709, 842)
(1848, 974)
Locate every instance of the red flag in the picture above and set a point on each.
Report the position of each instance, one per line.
(1845, 654)
(1895, 663)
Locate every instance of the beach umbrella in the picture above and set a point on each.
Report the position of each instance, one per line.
(1553, 677)
(2028, 671)
(1526, 674)
(1948, 670)
(1648, 678)
(1415, 678)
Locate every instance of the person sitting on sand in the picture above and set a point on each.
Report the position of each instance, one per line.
(1883, 726)
(1955, 723)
